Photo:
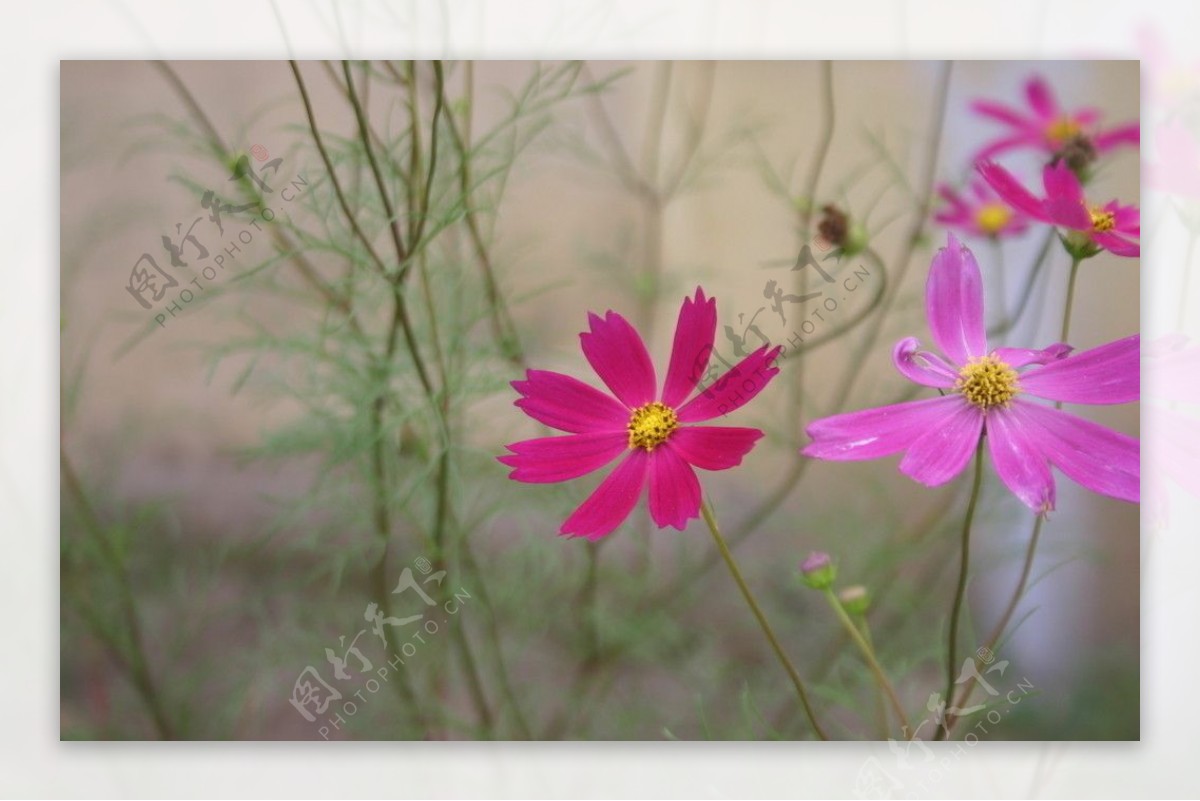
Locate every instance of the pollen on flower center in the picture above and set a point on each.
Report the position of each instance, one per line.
(1102, 220)
(986, 382)
(1061, 130)
(650, 425)
(992, 217)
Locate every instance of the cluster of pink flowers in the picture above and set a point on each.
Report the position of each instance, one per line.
(999, 205)
(984, 392)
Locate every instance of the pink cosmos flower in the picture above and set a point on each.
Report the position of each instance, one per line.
(981, 212)
(1046, 126)
(986, 393)
(647, 429)
(1109, 226)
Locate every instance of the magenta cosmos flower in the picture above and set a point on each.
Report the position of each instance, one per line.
(649, 431)
(980, 211)
(1110, 226)
(1044, 125)
(987, 392)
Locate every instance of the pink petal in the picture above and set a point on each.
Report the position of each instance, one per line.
(1124, 135)
(613, 500)
(1041, 99)
(714, 447)
(954, 302)
(1068, 214)
(674, 489)
(1061, 184)
(1019, 460)
(734, 389)
(943, 451)
(1117, 245)
(1126, 219)
(550, 459)
(882, 431)
(998, 146)
(1023, 357)
(618, 355)
(694, 334)
(568, 404)
(1001, 113)
(922, 367)
(1011, 191)
(1105, 374)
(1103, 460)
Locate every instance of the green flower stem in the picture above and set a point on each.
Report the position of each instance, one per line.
(961, 590)
(1002, 624)
(869, 654)
(1066, 323)
(711, 520)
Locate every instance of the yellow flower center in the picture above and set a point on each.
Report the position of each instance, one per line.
(987, 382)
(1061, 130)
(992, 217)
(650, 425)
(1102, 220)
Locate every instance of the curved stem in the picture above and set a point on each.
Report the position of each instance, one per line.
(1002, 624)
(1026, 290)
(869, 654)
(1066, 323)
(961, 590)
(707, 513)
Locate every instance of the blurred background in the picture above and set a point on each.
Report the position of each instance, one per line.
(239, 480)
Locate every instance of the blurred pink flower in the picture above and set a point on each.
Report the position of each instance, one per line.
(1044, 125)
(1108, 226)
(657, 449)
(981, 212)
(984, 394)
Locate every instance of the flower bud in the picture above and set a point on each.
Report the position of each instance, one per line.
(855, 599)
(818, 570)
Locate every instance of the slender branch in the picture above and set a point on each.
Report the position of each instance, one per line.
(706, 512)
(824, 140)
(869, 655)
(960, 589)
(135, 661)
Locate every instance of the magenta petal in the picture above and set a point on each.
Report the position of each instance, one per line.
(734, 389)
(1023, 357)
(674, 489)
(882, 431)
(694, 334)
(1124, 135)
(1117, 245)
(1011, 190)
(1005, 143)
(618, 355)
(568, 404)
(549, 459)
(1126, 219)
(1041, 98)
(1000, 113)
(613, 500)
(1061, 184)
(1103, 460)
(954, 302)
(1105, 374)
(943, 451)
(714, 447)
(922, 367)
(1019, 461)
